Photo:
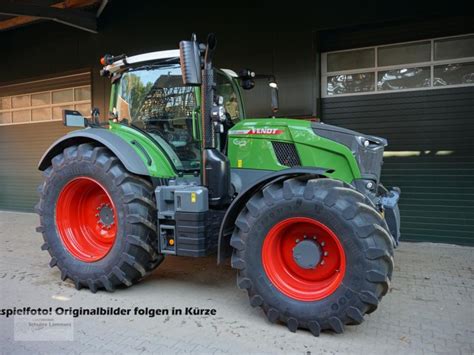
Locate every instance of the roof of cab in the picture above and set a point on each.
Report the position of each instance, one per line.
(146, 57)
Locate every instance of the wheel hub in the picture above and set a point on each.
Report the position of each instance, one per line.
(106, 215)
(303, 259)
(307, 254)
(86, 219)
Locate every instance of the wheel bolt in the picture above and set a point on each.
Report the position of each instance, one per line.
(297, 240)
(304, 237)
(314, 238)
(325, 253)
(323, 244)
(322, 262)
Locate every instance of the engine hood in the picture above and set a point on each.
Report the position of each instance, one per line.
(367, 149)
(327, 129)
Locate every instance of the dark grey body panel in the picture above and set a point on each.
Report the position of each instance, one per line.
(242, 179)
(239, 202)
(124, 152)
(369, 158)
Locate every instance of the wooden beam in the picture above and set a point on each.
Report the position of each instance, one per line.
(16, 21)
(23, 20)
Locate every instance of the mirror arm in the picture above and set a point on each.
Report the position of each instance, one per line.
(207, 92)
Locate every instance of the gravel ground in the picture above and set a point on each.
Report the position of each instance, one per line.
(429, 308)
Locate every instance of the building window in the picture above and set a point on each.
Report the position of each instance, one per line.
(44, 106)
(420, 65)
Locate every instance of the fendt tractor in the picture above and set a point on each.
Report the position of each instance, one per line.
(179, 169)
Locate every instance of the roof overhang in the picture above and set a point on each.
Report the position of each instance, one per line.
(66, 12)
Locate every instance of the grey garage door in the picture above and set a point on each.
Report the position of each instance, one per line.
(430, 155)
(420, 96)
(30, 116)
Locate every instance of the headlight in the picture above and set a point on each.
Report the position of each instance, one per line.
(370, 142)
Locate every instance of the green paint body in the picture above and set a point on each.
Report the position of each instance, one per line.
(161, 165)
(253, 150)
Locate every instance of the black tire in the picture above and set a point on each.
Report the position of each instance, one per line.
(133, 254)
(360, 229)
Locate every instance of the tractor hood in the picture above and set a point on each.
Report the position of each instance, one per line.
(368, 150)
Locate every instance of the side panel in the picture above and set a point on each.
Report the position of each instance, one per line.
(250, 147)
(157, 160)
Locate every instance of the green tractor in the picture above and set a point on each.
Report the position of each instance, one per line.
(180, 170)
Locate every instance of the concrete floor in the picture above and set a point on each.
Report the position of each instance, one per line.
(429, 308)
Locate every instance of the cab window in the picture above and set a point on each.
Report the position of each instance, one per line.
(227, 90)
(154, 99)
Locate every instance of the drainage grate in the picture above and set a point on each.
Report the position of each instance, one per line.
(286, 154)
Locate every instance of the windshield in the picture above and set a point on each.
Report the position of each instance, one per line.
(154, 99)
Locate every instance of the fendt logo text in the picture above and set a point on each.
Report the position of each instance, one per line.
(256, 131)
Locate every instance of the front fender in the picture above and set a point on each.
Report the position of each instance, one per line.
(239, 202)
(124, 152)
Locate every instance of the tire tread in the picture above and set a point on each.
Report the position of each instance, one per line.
(356, 208)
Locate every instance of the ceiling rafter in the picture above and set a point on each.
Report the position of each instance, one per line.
(62, 12)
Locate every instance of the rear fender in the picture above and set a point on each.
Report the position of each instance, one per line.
(124, 152)
(239, 202)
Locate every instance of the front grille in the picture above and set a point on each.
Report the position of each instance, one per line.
(370, 161)
(286, 154)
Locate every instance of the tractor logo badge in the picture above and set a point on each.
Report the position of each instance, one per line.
(257, 131)
(241, 142)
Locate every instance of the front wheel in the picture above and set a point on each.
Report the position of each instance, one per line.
(313, 254)
(97, 220)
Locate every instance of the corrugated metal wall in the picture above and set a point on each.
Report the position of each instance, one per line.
(431, 134)
(21, 147)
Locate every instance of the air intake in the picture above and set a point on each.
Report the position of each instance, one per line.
(286, 154)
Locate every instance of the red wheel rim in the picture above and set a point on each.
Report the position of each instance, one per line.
(303, 284)
(86, 219)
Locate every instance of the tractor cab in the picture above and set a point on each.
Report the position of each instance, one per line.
(186, 106)
(150, 96)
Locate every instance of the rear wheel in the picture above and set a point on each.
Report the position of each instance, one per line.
(312, 254)
(97, 220)
(86, 219)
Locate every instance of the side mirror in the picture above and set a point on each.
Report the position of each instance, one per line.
(247, 79)
(247, 84)
(73, 118)
(275, 101)
(190, 59)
